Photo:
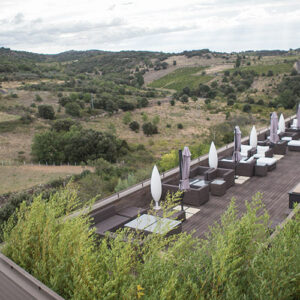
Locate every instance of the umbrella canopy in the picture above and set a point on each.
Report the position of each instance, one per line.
(156, 186)
(274, 138)
(237, 144)
(281, 123)
(213, 156)
(186, 163)
(253, 138)
(298, 116)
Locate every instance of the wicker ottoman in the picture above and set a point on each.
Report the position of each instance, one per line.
(218, 187)
(294, 145)
(261, 170)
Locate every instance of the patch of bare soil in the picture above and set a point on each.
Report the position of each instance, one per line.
(217, 68)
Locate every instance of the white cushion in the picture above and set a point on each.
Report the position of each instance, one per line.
(262, 149)
(286, 138)
(294, 143)
(266, 160)
(225, 159)
(245, 148)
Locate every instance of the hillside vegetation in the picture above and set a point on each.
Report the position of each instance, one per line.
(93, 107)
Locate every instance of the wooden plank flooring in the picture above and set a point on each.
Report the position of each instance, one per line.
(275, 187)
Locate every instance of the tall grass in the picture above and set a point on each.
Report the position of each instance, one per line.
(233, 262)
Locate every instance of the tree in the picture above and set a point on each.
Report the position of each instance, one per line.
(134, 126)
(126, 106)
(127, 118)
(46, 112)
(247, 108)
(238, 61)
(73, 109)
(186, 91)
(63, 125)
(172, 102)
(270, 73)
(149, 129)
(142, 102)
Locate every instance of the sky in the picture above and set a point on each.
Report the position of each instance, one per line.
(53, 26)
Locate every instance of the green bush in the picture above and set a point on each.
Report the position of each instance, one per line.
(76, 145)
(38, 98)
(134, 126)
(179, 126)
(127, 118)
(149, 129)
(247, 108)
(232, 262)
(46, 112)
(73, 109)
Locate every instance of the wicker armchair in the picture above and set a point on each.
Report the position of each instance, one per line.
(220, 173)
(199, 172)
(242, 168)
(194, 196)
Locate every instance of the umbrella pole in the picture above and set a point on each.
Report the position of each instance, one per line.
(235, 148)
(180, 171)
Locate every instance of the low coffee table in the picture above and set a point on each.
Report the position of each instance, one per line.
(199, 183)
(294, 196)
(177, 215)
(218, 187)
(141, 222)
(153, 224)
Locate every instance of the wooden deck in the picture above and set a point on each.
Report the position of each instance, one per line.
(275, 187)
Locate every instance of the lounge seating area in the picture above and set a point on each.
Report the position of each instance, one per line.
(205, 183)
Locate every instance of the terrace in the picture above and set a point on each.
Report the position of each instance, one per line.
(274, 188)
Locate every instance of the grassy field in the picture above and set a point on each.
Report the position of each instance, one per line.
(4, 117)
(17, 178)
(180, 78)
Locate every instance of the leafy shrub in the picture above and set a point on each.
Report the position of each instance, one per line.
(149, 129)
(77, 145)
(247, 108)
(73, 109)
(270, 73)
(38, 98)
(230, 102)
(172, 102)
(260, 102)
(142, 102)
(46, 112)
(63, 124)
(127, 118)
(26, 118)
(134, 126)
(179, 126)
(233, 262)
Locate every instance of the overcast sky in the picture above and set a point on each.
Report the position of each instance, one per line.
(52, 26)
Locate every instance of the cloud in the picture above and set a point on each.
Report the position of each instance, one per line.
(157, 25)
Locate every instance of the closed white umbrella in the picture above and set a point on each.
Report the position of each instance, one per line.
(281, 123)
(156, 186)
(213, 156)
(253, 138)
(298, 116)
(273, 128)
(186, 162)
